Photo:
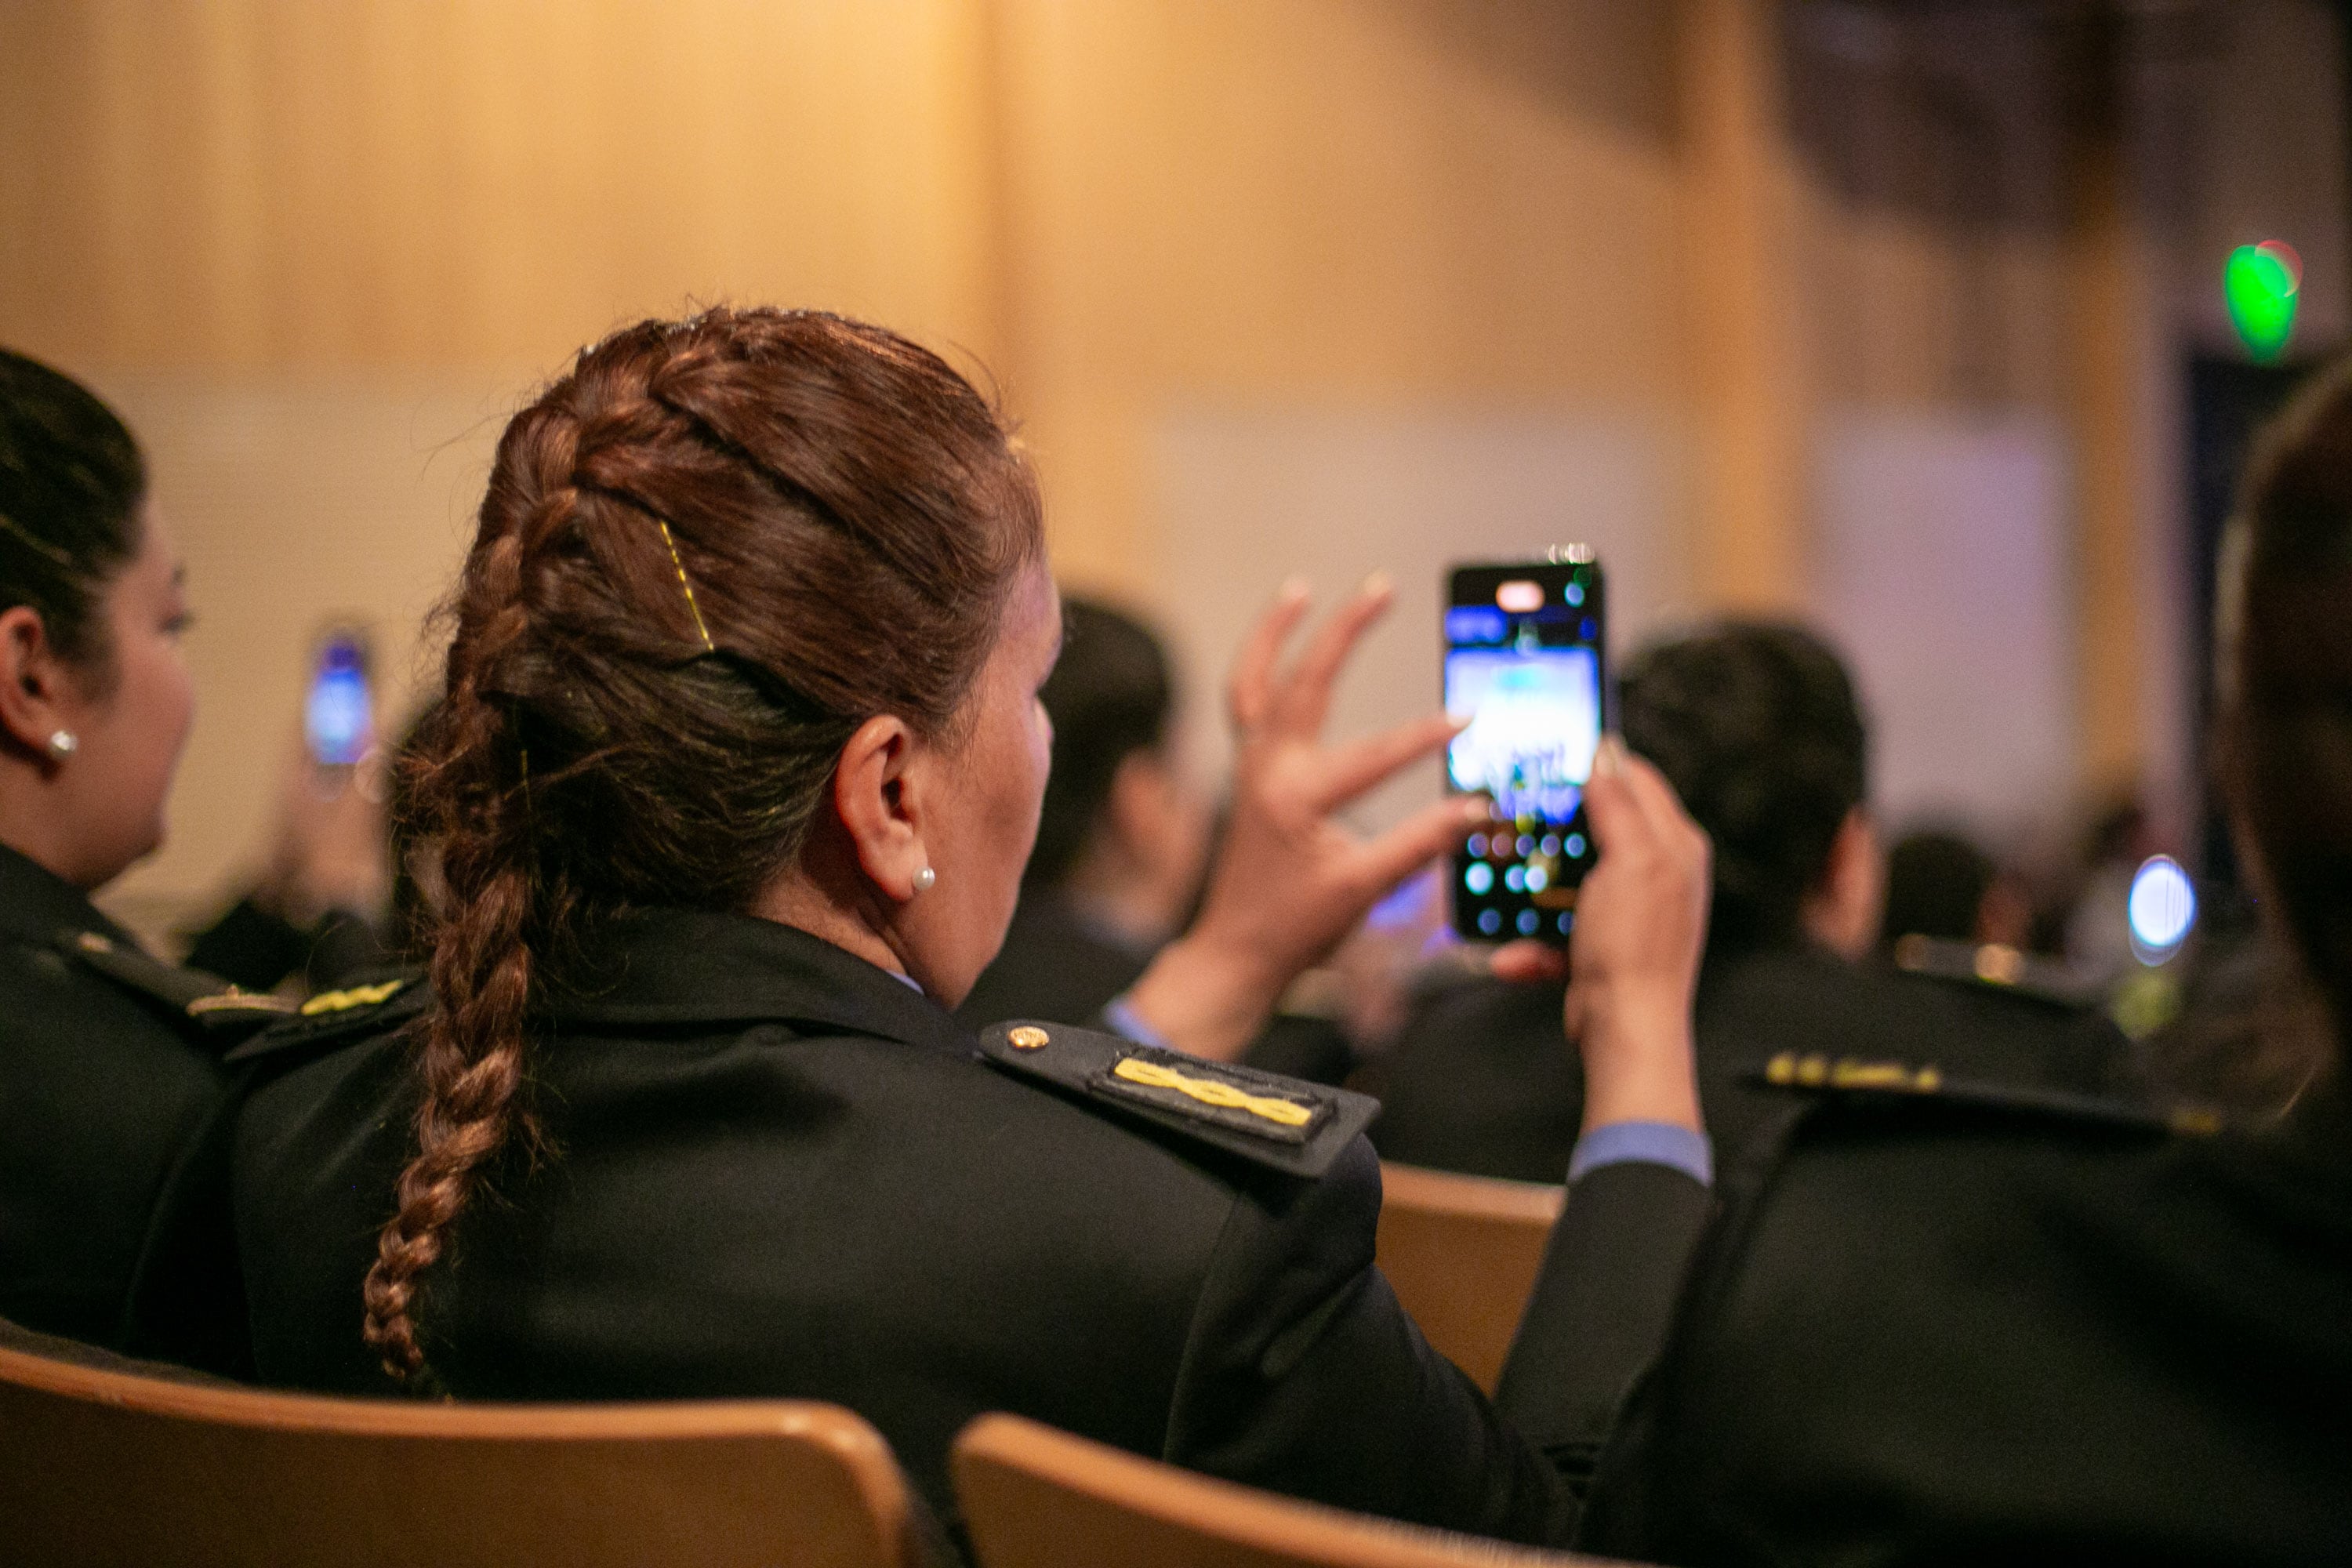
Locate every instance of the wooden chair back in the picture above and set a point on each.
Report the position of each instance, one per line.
(101, 1466)
(1462, 1254)
(1036, 1497)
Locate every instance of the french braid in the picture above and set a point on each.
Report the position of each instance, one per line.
(828, 510)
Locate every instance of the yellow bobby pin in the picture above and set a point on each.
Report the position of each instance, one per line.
(43, 545)
(1210, 1091)
(685, 582)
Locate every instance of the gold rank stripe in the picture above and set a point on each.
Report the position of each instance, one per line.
(235, 1001)
(357, 997)
(1820, 1072)
(1213, 1091)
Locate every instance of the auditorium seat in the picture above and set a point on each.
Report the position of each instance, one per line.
(1034, 1497)
(1461, 1253)
(108, 1461)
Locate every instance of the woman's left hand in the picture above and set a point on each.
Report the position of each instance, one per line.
(1290, 880)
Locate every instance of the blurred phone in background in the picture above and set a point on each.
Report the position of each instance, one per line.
(339, 713)
(1523, 664)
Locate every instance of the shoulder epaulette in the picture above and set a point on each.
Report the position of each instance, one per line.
(1858, 1077)
(332, 1016)
(1996, 966)
(1292, 1126)
(223, 1012)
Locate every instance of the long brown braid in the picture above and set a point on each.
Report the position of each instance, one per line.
(706, 554)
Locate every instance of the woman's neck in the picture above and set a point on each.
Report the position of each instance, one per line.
(792, 900)
(33, 823)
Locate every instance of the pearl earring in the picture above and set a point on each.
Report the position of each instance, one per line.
(925, 880)
(62, 743)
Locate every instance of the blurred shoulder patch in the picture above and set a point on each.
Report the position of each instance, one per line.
(1893, 1081)
(1994, 966)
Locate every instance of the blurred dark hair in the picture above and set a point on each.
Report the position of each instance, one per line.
(1936, 886)
(1755, 726)
(72, 479)
(1110, 697)
(2285, 673)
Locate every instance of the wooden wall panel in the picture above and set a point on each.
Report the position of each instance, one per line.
(255, 183)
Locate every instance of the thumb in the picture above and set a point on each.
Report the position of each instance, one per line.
(1611, 806)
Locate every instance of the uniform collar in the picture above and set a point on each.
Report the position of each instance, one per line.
(696, 966)
(36, 904)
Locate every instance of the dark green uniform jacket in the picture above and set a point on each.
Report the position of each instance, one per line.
(113, 1195)
(780, 1172)
(1951, 1330)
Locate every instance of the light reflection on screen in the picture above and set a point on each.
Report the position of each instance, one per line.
(1535, 723)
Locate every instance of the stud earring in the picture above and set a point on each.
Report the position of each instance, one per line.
(925, 880)
(62, 743)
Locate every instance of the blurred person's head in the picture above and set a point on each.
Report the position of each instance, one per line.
(2284, 676)
(754, 621)
(1122, 829)
(1757, 727)
(1936, 886)
(95, 696)
(1941, 883)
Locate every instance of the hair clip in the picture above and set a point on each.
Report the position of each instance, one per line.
(43, 545)
(685, 582)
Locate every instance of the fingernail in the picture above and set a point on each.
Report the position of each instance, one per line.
(1608, 760)
(1377, 583)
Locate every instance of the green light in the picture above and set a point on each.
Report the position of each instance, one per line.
(2261, 283)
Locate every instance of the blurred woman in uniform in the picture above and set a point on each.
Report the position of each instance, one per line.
(112, 1219)
(1954, 1325)
(738, 764)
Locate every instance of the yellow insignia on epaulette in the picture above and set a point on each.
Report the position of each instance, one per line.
(1213, 1091)
(1281, 1123)
(357, 997)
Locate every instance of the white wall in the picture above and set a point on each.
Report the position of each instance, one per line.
(1943, 574)
(294, 503)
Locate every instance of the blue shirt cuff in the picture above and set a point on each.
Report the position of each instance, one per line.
(1650, 1142)
(1127, 1021)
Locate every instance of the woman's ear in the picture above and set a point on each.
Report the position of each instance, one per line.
(32, 680)
(877, 793)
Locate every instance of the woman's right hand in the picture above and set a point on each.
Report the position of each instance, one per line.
(1633, 953)
(1291, 879)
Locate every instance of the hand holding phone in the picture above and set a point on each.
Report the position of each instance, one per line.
(339, 712)
(1523, 664)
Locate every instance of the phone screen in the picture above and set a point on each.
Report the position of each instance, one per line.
(1523, 664)
(339, 715)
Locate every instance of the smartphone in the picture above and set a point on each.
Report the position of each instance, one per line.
(339, 713)
(1523, 664)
